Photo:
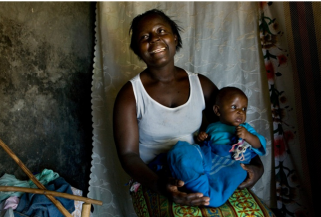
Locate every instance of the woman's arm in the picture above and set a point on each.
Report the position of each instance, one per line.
(210, 91)
(254, 170)
(126, 138)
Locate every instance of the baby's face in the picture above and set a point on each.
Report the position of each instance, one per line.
(232, 109)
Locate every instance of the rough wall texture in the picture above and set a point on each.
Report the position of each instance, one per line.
(46, 57)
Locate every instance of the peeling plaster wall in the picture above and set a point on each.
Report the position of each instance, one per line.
(46, 59)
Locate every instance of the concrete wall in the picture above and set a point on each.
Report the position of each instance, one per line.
(46, 60)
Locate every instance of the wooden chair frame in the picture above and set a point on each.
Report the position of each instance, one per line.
(42, 190)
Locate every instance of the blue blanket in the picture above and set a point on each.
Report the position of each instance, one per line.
(204, 171)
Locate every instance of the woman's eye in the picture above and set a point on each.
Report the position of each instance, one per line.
(233, 107)
(161, 31)
(244, 109)
(143, 37)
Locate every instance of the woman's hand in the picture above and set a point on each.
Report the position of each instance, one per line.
(189, 199)
(254, 172)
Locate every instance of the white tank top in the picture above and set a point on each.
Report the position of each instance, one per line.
(160, 127)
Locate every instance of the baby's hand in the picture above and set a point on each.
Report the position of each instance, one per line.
(241, 132)
(201, 136)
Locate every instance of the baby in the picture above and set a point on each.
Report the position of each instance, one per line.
(213, 167)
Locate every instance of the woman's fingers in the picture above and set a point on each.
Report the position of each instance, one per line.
(193, 199)
(197, 199)
(251, 179)
(179, 197)
(175, 182)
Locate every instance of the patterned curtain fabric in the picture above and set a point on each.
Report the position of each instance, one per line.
(290, 38)
(220, 40)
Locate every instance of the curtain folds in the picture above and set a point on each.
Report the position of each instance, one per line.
(291, 42)
(220, 40)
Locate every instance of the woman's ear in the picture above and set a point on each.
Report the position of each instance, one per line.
(175, 39)
(216, 110)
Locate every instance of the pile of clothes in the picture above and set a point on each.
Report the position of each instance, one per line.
(19, 204)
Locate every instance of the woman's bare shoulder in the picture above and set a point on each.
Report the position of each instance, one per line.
(125, 96)
(207, 85)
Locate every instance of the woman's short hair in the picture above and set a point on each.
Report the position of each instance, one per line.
(134, 26)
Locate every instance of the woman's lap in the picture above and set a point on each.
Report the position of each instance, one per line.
(241, 203)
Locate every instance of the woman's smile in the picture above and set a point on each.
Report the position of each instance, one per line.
(158, 50)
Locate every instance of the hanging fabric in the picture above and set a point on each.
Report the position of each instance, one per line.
(290, 38)
(220, 41)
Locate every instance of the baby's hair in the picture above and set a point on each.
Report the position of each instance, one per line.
(227, 91)
(134, 25)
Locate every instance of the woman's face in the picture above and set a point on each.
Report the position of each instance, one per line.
(156, 41)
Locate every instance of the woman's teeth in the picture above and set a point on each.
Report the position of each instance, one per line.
(158, 50)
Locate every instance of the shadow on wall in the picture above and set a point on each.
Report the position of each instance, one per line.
(46, 60)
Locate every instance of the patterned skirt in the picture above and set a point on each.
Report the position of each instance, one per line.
(242, 203)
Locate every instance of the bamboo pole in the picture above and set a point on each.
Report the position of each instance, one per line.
(53, 193)
(59, 206)
(85, 212)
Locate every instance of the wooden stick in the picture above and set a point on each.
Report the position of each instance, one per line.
(53, 193)
(59, 206)
(85, 212)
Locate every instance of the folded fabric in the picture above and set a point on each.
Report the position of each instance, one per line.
(7, 207)
(44, 177)
(11, 202)
(39, 205)
(78, 204)
(10, 180)
(6, 213)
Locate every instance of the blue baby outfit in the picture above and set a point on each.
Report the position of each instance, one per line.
(220, 134)
(210, 168)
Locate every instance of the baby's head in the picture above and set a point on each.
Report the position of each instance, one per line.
(230, 106)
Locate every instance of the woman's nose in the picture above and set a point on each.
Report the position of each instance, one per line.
(153, 38)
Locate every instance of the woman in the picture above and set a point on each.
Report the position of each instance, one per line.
(162, 105)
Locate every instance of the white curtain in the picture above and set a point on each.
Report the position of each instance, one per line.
(220, 40)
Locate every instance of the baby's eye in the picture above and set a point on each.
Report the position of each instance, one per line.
(233, 107)
(145, 37)
(161, 31)
(244, 109)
